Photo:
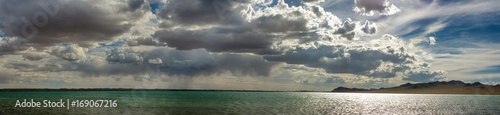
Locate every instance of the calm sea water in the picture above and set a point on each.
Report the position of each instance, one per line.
(193, 102)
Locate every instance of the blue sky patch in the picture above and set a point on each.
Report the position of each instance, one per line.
(422, 26)
(114, 44)
(482, 27)
(490, 70)
(289, 2)
(155, 5)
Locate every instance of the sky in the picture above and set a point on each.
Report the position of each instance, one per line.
(247, 44)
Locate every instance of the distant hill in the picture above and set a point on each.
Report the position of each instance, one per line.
(345, 89)
(437, 87)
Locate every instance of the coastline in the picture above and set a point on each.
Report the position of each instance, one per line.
(438, 87)
(131, 89)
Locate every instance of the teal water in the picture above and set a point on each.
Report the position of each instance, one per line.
(204, 102)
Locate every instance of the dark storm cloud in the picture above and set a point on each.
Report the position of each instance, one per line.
(44, 23)
(370, 7)
(340, 59)
(202, 12)
(256, 36)
(220, 35)
(202, 63)
(216, 41)
(210, 37)
(135, 4)
(369, 28)
(271, 33)
(172, 62)
(279, 23)
(347, 31)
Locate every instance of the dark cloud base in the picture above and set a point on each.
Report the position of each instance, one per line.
(202, 38)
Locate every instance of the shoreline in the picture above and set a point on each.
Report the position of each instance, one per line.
(131, 89)
(193, 90)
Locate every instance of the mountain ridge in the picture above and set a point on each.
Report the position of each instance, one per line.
(436, 87)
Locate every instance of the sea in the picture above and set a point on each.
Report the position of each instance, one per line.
(250, 103)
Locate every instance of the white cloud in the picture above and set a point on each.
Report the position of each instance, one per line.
(380, 58)
(155, 61)
(70, 52)
(11, 45)
(398, 24)
(124, 55)
(458, 56)
(431, 40)
(131, 41)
